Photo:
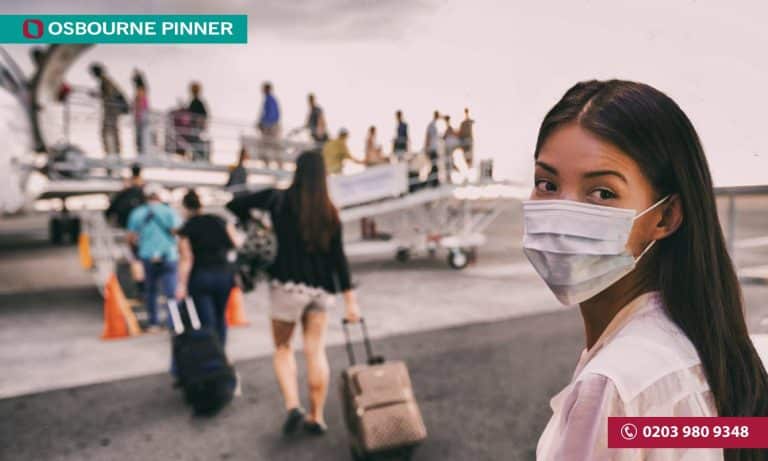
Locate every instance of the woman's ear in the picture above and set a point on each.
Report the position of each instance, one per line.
(671, 217)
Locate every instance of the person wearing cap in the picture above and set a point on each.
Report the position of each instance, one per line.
(152, 228)
(336, 151)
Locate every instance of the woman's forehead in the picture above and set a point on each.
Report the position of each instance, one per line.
(573, 150)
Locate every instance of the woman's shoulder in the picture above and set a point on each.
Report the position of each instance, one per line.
(212, 218)
(648, 350)
(205, 220)
(683, 393)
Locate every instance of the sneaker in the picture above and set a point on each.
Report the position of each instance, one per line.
(293, 421)
(315, 428)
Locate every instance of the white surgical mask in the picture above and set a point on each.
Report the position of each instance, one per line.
(579, 249)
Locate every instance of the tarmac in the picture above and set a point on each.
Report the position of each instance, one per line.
(487, 347)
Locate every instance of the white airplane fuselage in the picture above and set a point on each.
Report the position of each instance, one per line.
(15, 151)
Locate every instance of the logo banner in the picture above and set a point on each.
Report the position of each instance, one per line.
(134, 28)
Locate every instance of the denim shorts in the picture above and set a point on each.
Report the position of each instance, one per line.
(290, 301)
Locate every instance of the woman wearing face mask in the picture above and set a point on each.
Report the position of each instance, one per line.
(622, 221)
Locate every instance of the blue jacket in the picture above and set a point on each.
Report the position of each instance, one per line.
(270, 114)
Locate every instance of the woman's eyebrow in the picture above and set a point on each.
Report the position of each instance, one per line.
(547, 167)
(593, 174)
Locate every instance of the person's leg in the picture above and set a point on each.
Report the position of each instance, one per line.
(468, 157)
(277, 152)
(145, 137)
(433, 178)
(150, 291)
(116, 134)
(139, 137)
(168, 280)
(109, 134)
(264, 146)
(261, 152)
(314, 325)
(285, 363)
(200, 291)
(220, 293)
(105, 135)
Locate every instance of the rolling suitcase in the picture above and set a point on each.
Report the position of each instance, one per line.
(380, 411)
(205, 377)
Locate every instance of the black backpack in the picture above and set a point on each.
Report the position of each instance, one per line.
(205, 376)
(124, 203)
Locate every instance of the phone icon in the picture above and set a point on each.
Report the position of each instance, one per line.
(629, 431)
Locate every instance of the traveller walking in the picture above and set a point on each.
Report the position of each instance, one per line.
(373, 151)
(466, 138)
(120, 208)
(309, 268)
(205, 271)
(450, 143)
(238, 175)
(316, 122)
(336, 151)
(400, 143)
(113, 104)
(128, 199)
(198, 112)
(431, 147)
(269, 126)
(140, 113)
(151, 228)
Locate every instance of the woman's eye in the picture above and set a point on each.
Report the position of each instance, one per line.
(602, 194)
(542, 185)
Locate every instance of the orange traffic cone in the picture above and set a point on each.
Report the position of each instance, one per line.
(84, 249)
(119, 321)
(235, 310)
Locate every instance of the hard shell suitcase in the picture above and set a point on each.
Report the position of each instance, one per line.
(205, 376)
(379, 407)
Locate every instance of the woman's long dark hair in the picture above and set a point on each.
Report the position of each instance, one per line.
(317, 216)
(695, 273)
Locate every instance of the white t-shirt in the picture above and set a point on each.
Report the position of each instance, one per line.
(642, 365)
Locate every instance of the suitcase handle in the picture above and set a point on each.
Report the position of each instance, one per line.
(372, 360)
(178, 324)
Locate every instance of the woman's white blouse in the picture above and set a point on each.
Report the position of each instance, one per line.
(642, 365)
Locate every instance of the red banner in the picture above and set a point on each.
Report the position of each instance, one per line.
(687, 432)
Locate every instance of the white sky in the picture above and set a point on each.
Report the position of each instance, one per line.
(508, 61)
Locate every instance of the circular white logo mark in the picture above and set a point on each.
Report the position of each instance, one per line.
(629, 431)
